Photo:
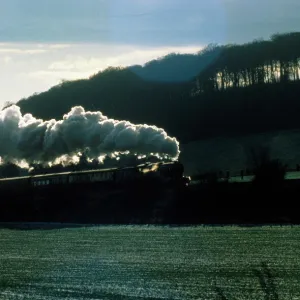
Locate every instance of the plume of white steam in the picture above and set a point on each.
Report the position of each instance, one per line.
(23, 137)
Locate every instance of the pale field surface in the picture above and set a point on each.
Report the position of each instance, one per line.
(141, 262)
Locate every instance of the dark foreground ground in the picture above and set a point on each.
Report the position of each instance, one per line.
(151, 262)
(151, 203)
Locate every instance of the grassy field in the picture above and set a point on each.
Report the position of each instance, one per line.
(140, 262)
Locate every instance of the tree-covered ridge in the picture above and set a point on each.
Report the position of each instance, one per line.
(117, 92)
(259, 62)
(221, 90)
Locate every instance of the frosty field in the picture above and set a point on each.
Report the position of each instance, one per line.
(140, 262)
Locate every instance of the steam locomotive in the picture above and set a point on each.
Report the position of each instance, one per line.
(164, 171)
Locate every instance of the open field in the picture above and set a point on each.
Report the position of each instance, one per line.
(141, 262)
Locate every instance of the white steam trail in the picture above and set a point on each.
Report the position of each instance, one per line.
(23, 137)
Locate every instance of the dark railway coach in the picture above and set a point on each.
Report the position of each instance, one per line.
(167, 172)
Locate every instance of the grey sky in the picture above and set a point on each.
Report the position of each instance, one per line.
(145, 22)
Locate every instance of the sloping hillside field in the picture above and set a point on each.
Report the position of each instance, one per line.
(140, 262)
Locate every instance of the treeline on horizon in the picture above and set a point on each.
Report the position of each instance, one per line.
(259, 62)
(221, 90)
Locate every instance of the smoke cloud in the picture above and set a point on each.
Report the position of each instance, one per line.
(23, 137)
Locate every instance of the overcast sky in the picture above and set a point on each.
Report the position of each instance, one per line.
(45, 41)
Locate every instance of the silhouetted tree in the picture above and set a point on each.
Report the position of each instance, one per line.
(267, 171)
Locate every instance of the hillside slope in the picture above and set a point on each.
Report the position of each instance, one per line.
(233, 153)
(239, 90)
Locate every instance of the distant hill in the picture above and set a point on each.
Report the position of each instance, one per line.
(117, 92)
(176, 67)
(227, 90)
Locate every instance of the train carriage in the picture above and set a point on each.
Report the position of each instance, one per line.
(167, 172)
(102, 175)
(126, 174)
(15, 183)
(49, 179)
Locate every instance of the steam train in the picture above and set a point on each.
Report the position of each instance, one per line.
(166, 172)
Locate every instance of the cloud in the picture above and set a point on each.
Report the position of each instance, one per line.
(21, 51)
(59, 46)
(56, 76)
(82, 66)
(7, 59)
(30, 48)
(129, 56)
